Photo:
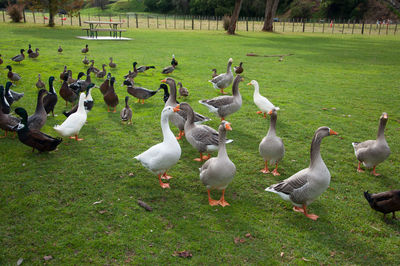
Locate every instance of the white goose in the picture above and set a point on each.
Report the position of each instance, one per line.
(73, 124)
(262, 103)
(302, 188)
(162, 156)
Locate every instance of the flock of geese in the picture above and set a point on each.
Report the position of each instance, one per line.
(301, 189)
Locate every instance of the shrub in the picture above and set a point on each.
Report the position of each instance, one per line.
(15, 12)
(226, 21)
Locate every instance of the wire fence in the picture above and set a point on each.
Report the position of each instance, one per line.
(143, 21)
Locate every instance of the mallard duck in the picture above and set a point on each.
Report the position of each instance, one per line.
(60, 49)
(92, 68)
(74, 123)
(86, 49)
(5, 106)
(68, 94)
(133, 74)
(34, 54)
(88, 103)
(238, 69)
(111, 98)
(302, 188)
(14, 77)
(384, 202)
(7, 121)
(219, 171)
(373, 152)
(201, 137)
(174, 63)
(33, 137)
(70, 79)
(39, 118)
(30, 49)
(214, 74)
(50, 100)
(102, 74)
(223, 80)
(139, 92)
(20, 57)
(166, 93)
(271, 146)
(179, 118)
(161, 157)
(64, 73)
(262, 103)
(85, 61)
(168, 70)
(9, 100)
(79, 84)
(40, 84)
(106, 84)
(12, 96)
(126, 113)
(142, 69)
(183, 92)
(112, 64)
(223, 106)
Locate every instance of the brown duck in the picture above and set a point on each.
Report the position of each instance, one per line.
(111, 98)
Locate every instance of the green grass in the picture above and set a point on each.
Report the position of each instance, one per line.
(46, 200)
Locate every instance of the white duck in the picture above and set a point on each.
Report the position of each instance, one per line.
(373, 152)
(73, 124)
(223, 80)
(302, 188)
(262, 103)
(219, 171)
(271, 147)
(162, 156)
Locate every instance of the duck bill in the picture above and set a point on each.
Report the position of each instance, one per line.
(249, 83)
(164, 80)
(176, 108)
(228, 126)
(270, 112)
(385, 116)
(331, 132)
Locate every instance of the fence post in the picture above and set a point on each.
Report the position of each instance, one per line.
(343, 28)
(217, 22)
(247, 23)
(157, 21)
(34, 19)
(333, 26)
(323, 26)
(4, 18)
(79, 15)
(395, 29)
(148, 22)
(71, 20)
(184, 21)
(370, 28)
(174, 21)
(192, 23)
(23, 13)
(387, 28)
(44, 22)
(362, 29)
(208, 20)
(165, 21)
(304, 25)
(293, 25)
(62, 21)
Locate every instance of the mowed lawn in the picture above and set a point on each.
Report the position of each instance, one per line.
(343, 82)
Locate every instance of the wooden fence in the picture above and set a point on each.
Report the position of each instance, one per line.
(326, 26)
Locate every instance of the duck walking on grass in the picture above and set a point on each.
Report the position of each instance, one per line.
(50, 100)
(111, 98)
(385, 202)
(263, 104)
(19, 58)
(14, 77)
(218, 172)
(302, 188)
(40, 84)
(39, 118)
(223, 80)
(7, 121)
(373, 152)
(161, 157)
(126, 113)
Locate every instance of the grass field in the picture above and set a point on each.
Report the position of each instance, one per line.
(344, 82)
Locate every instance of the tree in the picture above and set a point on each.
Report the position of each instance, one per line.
(235, 16)
(270, 10)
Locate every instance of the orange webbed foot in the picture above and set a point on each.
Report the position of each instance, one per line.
(213, 202)
(298, 209)
(206, 157)
(198, 159)
(223, 203)
(265, 171)
(259, 112)
(275, 172)
(166, 177)
(312, 216)
(375, 173)
(164, 185)
(360, 170)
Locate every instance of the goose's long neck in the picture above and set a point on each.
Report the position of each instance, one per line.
(39, 104)
(190, 117)
(381, 130)
(81, 106)
(256, 90)
(272, 127)
(51, 88)
(167, 133)
(221, 143)
(315, 153)
(235, 86)
(172, 96)
(228, 68)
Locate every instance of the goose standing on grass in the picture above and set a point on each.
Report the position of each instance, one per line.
(214, 74)
(271, 146)
(33, 137)
(39, 118)
(40, 84)
(262, 103)
(223, 80)
(219, 171)
(50, 100)
(384, 202)
(142, 69)
(373, 152)
(88, 103)
(112, 64)
(126, 113)
(202, 137)
(105, 85)
(14, 77)
(7, 121)
(74, 123)
(238, 69)
(161, 157)
(20, 57)
(183, 92)
(85, 61)
(302, 188)
(111, 98)
(34, 54)
(67, 93)
(60, 49)
(225, 105)
(86, 49)
(139, 92)
(11, 95)
(179, 118)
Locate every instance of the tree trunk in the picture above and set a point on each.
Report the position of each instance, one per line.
(52, 9)
(270, 10)
(234, 17)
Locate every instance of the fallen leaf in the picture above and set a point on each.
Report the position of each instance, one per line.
(47, 258)
(19, 262)
(247, 235)
(324, 109)
(144, 205)
(97, 202)
(131, 174)
(236, 240)
(282, 254)
(333, 253)
(242, 240)
(305, 259)
(102, 211)
(182, 254)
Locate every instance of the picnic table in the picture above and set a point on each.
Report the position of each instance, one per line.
(95, 27)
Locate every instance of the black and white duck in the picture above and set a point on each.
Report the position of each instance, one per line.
(50, 100)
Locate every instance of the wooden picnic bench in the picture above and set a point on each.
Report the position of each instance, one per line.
(95, 28)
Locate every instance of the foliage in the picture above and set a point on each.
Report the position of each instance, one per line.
(352, 9)
(15, 11)
(301, 9)
(226, 20)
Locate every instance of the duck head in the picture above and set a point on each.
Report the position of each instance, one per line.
(24, 115)
(127, 82)
(164, 87)
(80, 74)
(22, 51)
(112, 80)
(9, 68)
(8, 85)
(226, 125)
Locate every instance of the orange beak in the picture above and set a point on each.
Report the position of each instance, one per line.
(385, 116)
(228, 126)
(176, 108)
(270, 112)
(249, 83)
(331, 132)
(164, 80)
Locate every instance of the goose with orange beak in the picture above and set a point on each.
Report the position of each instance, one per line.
(302, 188)
(218, 172)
